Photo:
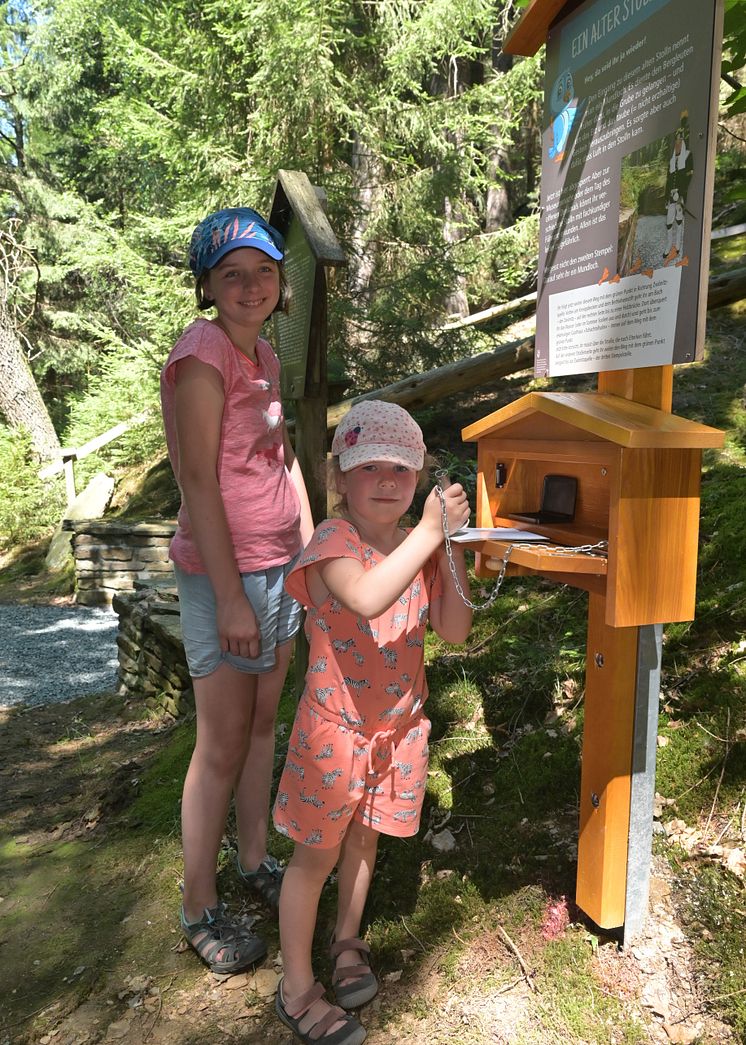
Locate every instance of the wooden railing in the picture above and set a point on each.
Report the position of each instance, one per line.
(69, 455)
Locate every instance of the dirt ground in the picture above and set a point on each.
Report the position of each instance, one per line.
(57, 803)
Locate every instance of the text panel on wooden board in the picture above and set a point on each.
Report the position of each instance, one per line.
(292, 331)
(623, 188)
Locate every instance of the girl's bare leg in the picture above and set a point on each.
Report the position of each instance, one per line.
(354, 876)
(253, 787)
(299, 901)
(225, 703)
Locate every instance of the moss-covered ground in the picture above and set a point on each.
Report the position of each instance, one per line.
(480, 942)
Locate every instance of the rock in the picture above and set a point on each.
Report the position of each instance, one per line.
(264, 982)
(656, 998)
(680, 1034)
(120, 1028)
(236, 983)
(90, 504)
(443, 841)
(736, 862)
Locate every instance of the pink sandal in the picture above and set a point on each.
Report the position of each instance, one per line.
(364, 986)
(292, 1013)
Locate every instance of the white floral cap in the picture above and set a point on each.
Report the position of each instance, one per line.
(378, 431)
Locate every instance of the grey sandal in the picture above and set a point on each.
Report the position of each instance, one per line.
(266, 881)
(217, 934)
(364, 986)
(292, 1013)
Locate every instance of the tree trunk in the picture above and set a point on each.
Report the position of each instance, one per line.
(367, 181)
(498, 212)
(20, 400)
(19, 142)
(456, 301)
(362, 255)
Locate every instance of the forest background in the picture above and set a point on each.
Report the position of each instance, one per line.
(125, 124)
(121, 125)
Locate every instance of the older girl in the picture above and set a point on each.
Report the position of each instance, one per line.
(243, 518)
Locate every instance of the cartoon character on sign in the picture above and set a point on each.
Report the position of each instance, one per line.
(564, 107)
(678, 176)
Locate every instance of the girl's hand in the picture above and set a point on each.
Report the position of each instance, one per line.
(238, 630)
(457, 509)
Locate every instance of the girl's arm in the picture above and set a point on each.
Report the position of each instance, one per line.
(198, 407)
(450, 617)
(370, 592)
(296, 477)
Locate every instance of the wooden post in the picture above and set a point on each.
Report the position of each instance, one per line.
(68, 463)
(605, 782)
(310, 410)
(642, 794)
(650, 385)
(617, 782)
(298, 210)
(310, 436)
(654, 495)
(638, 469)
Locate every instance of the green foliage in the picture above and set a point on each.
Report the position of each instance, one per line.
(135, 376)
(638, 180)
(734, 48)
(730, 197)
(29, 507)
(501, 265)
(714, 918)
(127, 99)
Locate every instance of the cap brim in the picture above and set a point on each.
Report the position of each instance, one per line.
(354, 456)
(256, 244)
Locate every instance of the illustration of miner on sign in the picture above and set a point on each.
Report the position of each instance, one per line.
(680, 166)
(564, 107)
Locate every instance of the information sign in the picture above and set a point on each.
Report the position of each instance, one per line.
(292, 330)
(626, 186)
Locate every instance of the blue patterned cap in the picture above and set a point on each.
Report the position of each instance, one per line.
(227, 230)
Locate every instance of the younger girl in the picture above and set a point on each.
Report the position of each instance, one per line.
(357, 757)
(243, 518)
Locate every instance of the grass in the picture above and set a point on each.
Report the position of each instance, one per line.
(23, 574)
(712, 912)
(505, 748)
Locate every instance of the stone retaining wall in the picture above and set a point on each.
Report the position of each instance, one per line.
(152, 666)
(111, 555)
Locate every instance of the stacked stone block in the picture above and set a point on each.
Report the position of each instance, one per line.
(152, 666)
(112, 555)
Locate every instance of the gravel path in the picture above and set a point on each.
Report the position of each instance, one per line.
(49, 654)
(650, 240)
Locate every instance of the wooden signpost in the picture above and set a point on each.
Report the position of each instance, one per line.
(622, 289)
(300, 336)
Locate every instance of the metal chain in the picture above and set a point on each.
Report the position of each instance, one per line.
(584, 549)
(440, 475)
(587, 549)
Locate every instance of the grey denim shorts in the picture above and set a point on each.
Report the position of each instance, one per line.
(278, 615)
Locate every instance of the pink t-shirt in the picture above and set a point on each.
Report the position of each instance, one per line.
(260, 501)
